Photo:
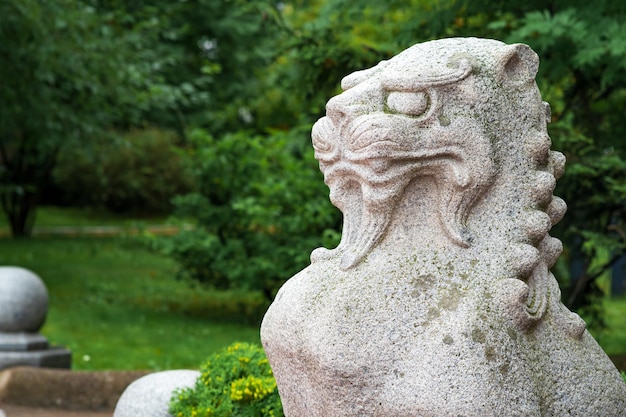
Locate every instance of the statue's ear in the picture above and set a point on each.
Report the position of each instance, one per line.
(518, 65)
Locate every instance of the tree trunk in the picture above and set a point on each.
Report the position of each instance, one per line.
(20, 209)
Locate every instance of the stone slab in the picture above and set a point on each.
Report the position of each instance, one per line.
(22, 342)
(48, 390)
(56, 357)
(21, 411)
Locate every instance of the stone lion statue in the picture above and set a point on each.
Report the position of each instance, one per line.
(439, 299)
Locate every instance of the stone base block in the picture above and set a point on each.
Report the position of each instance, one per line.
(55, 357)
(63, 390)
(22, 342)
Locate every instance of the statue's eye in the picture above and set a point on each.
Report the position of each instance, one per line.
(410, 103)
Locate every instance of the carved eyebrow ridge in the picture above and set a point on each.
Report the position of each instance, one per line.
(358, 77)
(401, 82)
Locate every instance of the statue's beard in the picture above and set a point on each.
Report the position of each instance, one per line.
(366, 218)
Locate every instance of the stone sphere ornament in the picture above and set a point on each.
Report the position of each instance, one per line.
(23, 300)
(439, 300)
(149, 396)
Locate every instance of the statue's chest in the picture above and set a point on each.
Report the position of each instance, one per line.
(341, 344)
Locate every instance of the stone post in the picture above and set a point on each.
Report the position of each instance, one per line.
(23, 309)
(439, 299)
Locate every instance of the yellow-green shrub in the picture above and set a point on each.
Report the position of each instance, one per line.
(235, 382)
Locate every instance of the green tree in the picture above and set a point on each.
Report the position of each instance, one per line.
(78, 71)
(64, 79)
(210, 55)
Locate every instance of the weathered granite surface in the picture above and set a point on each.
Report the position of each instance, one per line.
(150, 395)
(439, 300)
(23, 300)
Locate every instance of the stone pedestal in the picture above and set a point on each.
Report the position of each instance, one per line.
(23, 308)
(31, 349)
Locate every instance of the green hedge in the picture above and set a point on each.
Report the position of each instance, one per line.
(260, 208)
(139, 170)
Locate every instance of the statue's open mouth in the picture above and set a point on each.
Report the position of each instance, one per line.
(367, 179)
(355, 179)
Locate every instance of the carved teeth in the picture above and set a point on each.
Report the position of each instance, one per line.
(556, 209)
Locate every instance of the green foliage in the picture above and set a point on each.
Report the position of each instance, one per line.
(612, 337)
(50, 217)
(47, 92)
(235, 382)
(320, 50)
(323, 41)
(624, 376)
(70, 74)
(209, 56)
(141, 171)
(261, 208)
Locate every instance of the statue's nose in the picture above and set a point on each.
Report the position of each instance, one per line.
(361, 99)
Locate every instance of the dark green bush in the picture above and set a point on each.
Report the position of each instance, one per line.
(235, 382)
(260, 209)
(141, 170)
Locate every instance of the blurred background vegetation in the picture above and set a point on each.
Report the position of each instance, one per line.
(200, 110)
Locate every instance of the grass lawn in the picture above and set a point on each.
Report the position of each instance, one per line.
(73, 216)
(117, 306)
